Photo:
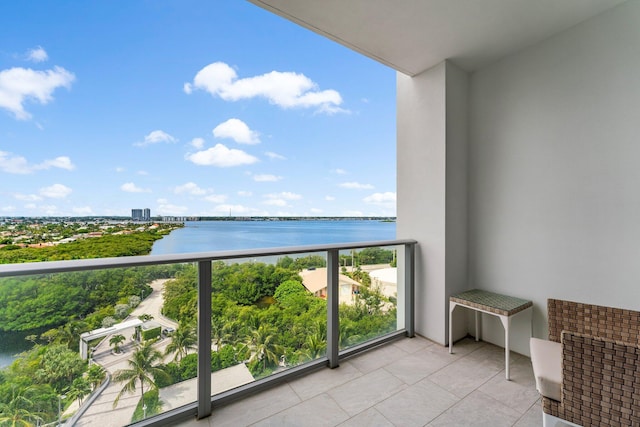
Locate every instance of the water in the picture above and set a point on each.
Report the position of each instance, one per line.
(204, 236)
(12, 343)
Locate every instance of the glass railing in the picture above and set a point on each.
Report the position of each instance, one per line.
(157, 339)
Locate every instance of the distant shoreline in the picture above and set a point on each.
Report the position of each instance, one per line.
(184, 218)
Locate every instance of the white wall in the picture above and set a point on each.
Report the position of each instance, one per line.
(432, 180)
(555, 170)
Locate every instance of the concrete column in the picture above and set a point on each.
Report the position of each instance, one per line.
(432, 189)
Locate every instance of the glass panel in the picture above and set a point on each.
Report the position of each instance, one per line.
(368, 294)
(81, 328)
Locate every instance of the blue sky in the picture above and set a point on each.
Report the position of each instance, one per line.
(187, 108)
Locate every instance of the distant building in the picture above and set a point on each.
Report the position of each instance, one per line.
(141, 214)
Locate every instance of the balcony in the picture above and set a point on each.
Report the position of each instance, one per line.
(208, 278)
(409, 382)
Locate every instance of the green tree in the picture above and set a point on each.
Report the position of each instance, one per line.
(80, 388)
(115, 341)
(182, 340)
(18, 411)
(58, 366)
(95, 375)
(141, 368)
(263, 346)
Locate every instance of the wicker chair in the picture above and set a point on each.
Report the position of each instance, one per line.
(599, 373)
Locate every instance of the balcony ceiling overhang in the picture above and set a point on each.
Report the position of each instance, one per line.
(412, 36)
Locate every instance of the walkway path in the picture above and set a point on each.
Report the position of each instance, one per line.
(101, 412)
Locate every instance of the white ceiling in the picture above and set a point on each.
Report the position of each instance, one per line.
(414, 35)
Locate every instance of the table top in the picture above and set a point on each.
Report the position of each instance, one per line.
(489, 301)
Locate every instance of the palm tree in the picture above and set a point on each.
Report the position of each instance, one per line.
(141, 368)
(17, 412)
(80, 388)
(115, 341)
(182, 340)
(315, 345)
(263, 347)
(95, 375)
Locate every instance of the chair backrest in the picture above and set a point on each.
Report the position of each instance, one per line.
(595, 320)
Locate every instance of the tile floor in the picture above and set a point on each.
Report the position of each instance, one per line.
(411, 382)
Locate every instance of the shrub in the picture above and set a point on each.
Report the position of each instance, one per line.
(150, 334)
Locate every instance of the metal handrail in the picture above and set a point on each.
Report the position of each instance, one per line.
(8, 270)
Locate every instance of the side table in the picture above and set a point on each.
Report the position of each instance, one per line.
(502, 306)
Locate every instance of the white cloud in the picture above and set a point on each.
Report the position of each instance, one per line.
(274, 156)
(284, 89)
(245, 193)
(28, 197)
(82, 210)
(275, 202)
(155, 137)
(143, 173)
(166, 208)
(352, 213)
(49, 210)
(281, 199)
(62, 162)
(216, 198)
(329, 198)
(266, 178)
(356, 186)
(339, 171)
(130, 187)
(55, 191)
(120, 169)
(190, 188)
(237, 130)
(37, 54)
(8, 209)
(221, 156)
(10, 163)
(197, 143)
(20, 84)
(381, 198)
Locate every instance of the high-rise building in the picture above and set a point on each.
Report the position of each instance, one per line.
(141, 214)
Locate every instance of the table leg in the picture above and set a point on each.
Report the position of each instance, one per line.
(506, 322)
(452, 306)
(477, 313)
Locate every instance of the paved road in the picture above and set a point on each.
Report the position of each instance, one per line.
(101, 413)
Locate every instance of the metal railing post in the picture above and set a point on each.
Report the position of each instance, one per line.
(409, 290)
(333, 295)
(204, 339)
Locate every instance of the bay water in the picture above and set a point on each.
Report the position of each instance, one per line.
(205, 236)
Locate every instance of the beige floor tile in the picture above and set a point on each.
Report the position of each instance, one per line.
(477, 410)
(417, 366)
(510, 393)
(369, 418)
(417, 405)
(532, 418)
(324, 380)
(465, 375)
(411, 345)
(381, 356)
(255, 408)
(320, 411)
(364, 392)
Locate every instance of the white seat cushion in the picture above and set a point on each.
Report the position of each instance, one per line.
(546, 358)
